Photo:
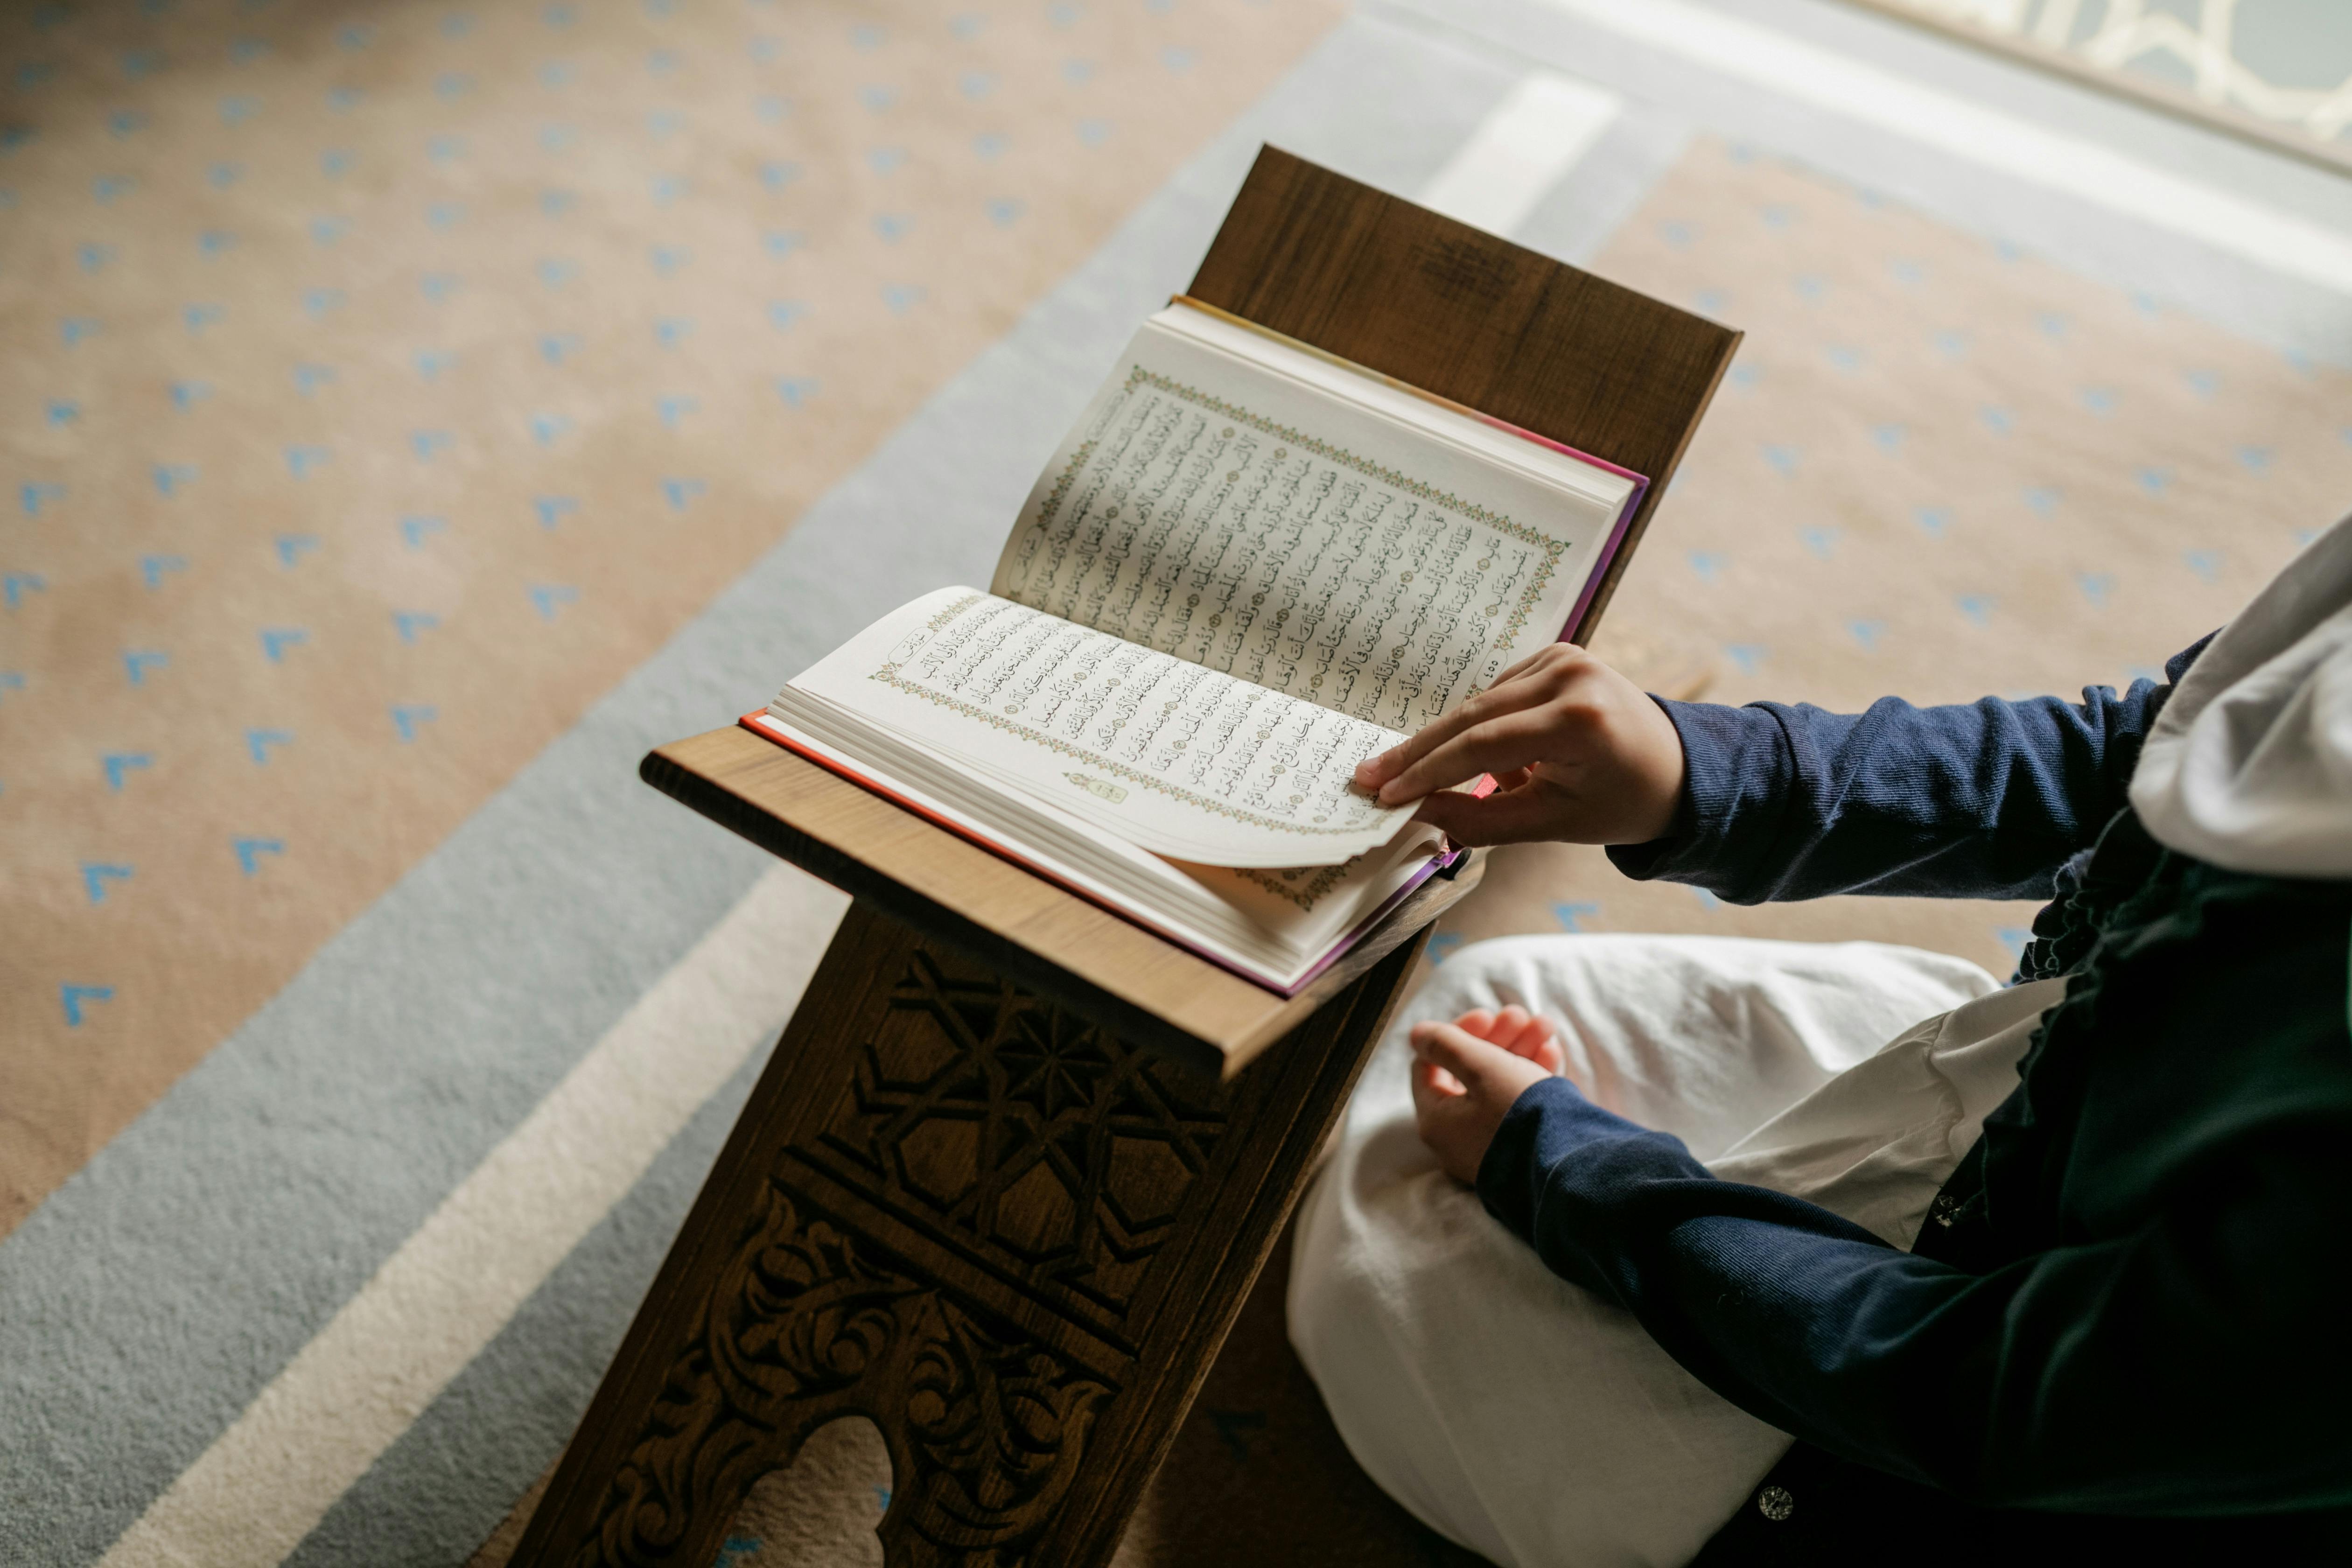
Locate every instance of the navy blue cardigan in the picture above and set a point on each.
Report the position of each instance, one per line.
(2126, 1314)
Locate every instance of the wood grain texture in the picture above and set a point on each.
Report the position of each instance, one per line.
(1002, 1189)
(1088, 959)
(1459, 312)
(1011, 1239)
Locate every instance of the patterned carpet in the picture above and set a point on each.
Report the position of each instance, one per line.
(417, 410)
(388, 381)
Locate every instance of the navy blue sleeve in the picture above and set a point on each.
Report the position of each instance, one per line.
(2189, 1367)
(1981, 800)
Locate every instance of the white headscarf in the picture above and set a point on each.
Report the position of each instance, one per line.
(2249, 765)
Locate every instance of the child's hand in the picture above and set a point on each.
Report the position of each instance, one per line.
(1579, 754)
(1466, 1075)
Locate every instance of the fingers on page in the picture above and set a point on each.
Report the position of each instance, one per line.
(1471, 711)
(1544, 658)
(1508, 816)
(1521, 687)
(1374, 774)
(1508, 741)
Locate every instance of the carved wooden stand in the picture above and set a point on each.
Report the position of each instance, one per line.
(1005, 1184)
(1009, 1239)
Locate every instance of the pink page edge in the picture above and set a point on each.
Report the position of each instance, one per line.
(1608, 550)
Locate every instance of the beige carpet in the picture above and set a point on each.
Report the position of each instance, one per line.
(388, 379)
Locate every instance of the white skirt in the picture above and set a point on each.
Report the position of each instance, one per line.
(1520, 1415)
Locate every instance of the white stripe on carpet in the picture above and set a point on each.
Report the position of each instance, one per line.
(1520, 150)
(348, 1394)
(2069, 165)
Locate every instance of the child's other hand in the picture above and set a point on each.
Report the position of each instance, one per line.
(1579, 753)
(1466, 1075)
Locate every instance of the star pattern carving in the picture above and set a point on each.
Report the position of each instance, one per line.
(1025, 1131)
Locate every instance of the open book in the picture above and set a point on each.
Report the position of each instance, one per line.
(1249, 567)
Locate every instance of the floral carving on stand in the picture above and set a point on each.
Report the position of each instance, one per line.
(986, 1428)
(996, 1428)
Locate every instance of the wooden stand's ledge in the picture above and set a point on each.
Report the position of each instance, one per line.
(1004, 1183)
(1147, 989)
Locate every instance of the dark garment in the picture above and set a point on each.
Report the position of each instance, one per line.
(1984, 800)
(2123, 1320)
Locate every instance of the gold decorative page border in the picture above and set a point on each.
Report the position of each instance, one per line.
(1061, 491)
(1307, 898)
(952, 611)
(888, 674)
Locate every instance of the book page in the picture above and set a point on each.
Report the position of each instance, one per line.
(1241, 511)
(1183, 760)
(1275, 924)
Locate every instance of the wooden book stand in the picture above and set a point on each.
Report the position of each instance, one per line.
(1004, 1187)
